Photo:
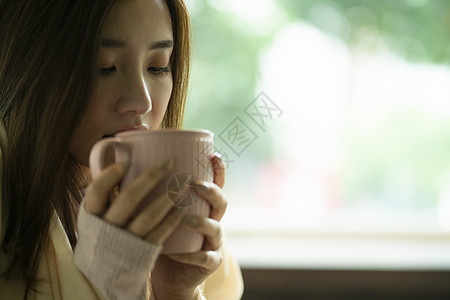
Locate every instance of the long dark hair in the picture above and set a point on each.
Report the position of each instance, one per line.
(47, 58)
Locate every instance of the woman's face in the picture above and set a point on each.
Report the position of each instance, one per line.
(133, 80)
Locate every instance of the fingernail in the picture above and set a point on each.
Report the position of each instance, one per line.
(126, 165)
(190, 221)
(199, 185)
(218, 154)
(166, 165)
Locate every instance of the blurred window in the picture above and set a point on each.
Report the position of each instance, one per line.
(333, 119)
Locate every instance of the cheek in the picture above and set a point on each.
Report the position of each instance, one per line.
(80, 146)
(91, 129)
(159, 104)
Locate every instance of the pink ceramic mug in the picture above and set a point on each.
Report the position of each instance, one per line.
(192, 151)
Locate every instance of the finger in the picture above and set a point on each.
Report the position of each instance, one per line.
(208, 260)
(98, 191)
(129, 198)
(152, 215)
(214, 195)
(166, 227)
(209, 227)
(219, 170)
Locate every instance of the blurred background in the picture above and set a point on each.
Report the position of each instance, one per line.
(333, 120)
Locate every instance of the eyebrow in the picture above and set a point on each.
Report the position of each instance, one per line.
(113, 43)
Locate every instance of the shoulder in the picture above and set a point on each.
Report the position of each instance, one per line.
(226, 282)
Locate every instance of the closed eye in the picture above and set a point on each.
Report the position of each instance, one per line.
(159, 71)
(107, 71)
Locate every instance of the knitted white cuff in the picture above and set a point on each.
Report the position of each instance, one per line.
(116, 262)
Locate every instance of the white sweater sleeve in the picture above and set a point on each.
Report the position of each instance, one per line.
(116, 262)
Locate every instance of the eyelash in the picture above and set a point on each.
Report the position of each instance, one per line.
(159, 71)
(156, 71)
(107, 71)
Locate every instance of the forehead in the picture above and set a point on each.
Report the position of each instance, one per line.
(136, 19)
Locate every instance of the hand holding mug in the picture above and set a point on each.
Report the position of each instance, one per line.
(184, 163)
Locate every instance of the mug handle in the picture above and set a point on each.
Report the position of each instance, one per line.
(97, 155)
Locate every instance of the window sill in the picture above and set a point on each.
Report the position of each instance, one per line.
(256, 249)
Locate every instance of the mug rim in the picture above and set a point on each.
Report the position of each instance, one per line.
(166, 131)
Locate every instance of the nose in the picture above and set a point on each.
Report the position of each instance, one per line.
(135, 97)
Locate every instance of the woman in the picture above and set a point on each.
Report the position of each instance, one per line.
(71, 73)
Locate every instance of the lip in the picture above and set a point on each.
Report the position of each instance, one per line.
(131, 128)
(140, 127)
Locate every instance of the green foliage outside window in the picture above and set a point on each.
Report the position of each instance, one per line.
(226, 72)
